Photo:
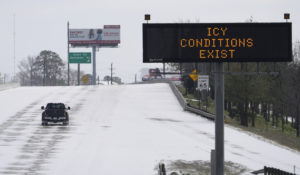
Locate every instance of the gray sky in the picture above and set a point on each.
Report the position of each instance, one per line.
(42, 25)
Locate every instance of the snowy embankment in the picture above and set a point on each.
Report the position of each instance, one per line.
(113, 130)
(8, 86)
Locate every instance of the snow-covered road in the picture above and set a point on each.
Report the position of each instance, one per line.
(116, 130)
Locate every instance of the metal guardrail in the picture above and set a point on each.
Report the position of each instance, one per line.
(200, 112)
(185, 105)
(178, 95)
(272, 171)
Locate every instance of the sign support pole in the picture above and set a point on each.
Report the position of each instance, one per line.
(219, 119)
(94, 65)
(78, 74)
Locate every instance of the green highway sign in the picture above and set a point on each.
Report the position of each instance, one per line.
(80, 57)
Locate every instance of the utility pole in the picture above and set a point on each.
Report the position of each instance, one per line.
(14, 47)
(44, 76)
(68, 55)
(111, 73)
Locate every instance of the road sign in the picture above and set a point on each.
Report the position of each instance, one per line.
(203, 82)
(80, 57)
(194, 75)
(85, 79)
(217, 42)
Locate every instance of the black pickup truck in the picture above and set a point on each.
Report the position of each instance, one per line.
(55, 112)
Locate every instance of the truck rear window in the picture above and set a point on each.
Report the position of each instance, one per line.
(55, 106)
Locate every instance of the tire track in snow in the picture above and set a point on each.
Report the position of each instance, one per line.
(42, 143)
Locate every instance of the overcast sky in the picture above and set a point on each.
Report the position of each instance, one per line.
(42, 25)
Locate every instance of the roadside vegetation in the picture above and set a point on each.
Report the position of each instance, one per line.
(260, 98)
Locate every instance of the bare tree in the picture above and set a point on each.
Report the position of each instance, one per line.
(27, 71)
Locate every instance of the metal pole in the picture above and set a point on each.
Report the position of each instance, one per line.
(68, 57)
(111, 73)
(164, 70)
(94, 65)
(44, 72)
(78, 74)
(199, 92)
(14, 78)
(212, 162)
(219, 120)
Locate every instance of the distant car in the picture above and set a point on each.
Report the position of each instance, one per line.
(55, 113)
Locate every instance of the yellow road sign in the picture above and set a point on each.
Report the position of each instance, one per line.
(85, 79)
(194, 75)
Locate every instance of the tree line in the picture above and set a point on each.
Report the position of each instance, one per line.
(45, 69)
(269, 90)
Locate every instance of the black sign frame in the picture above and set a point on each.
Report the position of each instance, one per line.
(257, 42)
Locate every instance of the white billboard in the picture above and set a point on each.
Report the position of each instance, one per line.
(109, 35)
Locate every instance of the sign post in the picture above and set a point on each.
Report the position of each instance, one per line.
(78, 74)
(219, 119)
(94, 66)
(217, 43)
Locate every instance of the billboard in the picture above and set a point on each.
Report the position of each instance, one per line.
(217, 42)
(108, 36)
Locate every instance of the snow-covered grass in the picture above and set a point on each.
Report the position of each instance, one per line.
(126, 129)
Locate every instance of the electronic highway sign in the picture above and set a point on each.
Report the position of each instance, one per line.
(217, 42)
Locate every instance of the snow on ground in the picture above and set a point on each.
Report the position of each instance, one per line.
(8, 86)
(126, 129)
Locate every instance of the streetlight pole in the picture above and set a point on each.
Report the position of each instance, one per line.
(68, 55)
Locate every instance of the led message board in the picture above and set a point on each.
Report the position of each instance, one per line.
(217, 42)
